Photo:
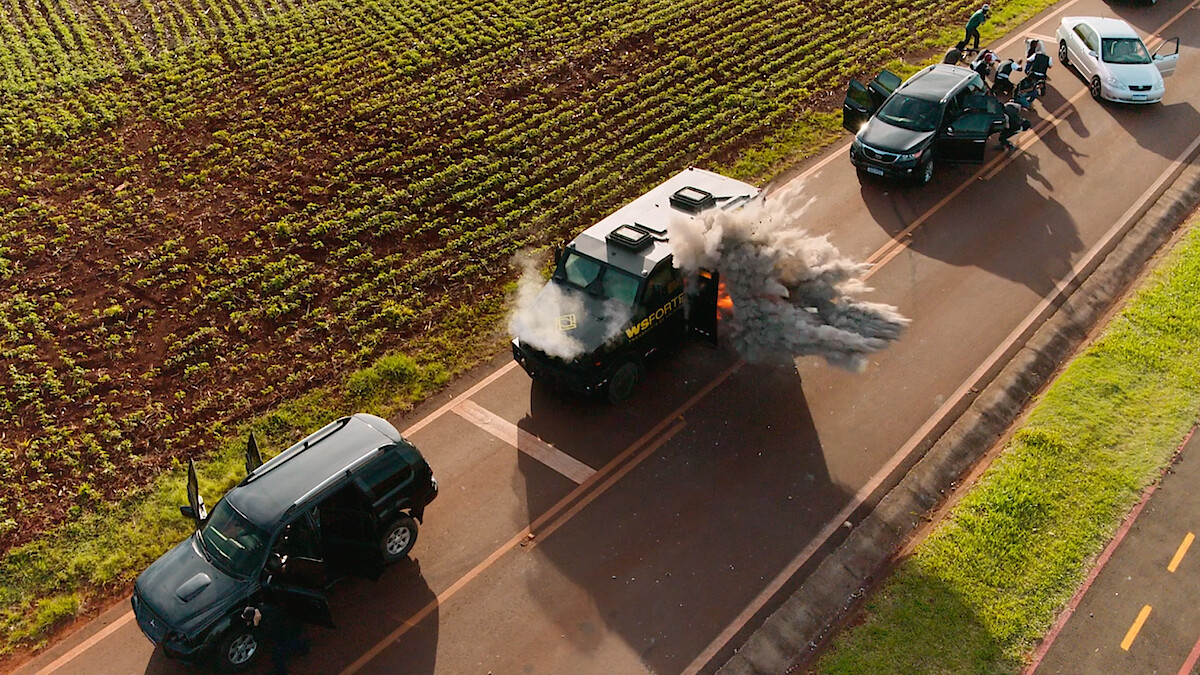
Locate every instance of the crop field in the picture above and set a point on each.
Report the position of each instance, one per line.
(210, 206)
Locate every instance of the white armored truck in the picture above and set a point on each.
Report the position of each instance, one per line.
(616, 298)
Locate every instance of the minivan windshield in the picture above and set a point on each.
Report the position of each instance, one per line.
(594, 276)
(233, 543)
(1124, 50)
(914, 114)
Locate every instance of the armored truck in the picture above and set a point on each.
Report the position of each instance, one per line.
(616, 297)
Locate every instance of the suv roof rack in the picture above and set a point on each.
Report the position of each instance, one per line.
(283, 457)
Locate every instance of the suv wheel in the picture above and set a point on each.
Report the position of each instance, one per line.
(238, 650)
(1062, 53)
(623, 381)
(398, 539)
(926, 174)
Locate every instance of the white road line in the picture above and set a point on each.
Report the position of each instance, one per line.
(424, 421)
(524, 441)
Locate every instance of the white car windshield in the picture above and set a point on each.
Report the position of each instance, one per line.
(1123, 50)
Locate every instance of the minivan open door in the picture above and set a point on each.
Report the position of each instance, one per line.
(702, 306)
(253, 455)
(1166, 56)
(195, 506)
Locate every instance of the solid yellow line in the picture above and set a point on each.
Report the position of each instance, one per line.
(1137, 626)
(1183, 549)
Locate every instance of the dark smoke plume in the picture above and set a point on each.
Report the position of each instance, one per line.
(793, 294)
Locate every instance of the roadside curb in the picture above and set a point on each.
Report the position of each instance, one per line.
(794, 632)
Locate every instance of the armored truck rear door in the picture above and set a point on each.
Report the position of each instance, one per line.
(702, 306)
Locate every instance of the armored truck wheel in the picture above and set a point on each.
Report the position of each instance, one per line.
(623, 381)
(398, 539)
(238, 650)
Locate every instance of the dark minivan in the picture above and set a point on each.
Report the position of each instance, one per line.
(343, 501)
(943, 113)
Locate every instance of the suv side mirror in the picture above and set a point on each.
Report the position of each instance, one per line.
(188, 512)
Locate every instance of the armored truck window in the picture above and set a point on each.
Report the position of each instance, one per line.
(581, 270)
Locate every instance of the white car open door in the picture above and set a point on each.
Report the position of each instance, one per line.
(1166, 56)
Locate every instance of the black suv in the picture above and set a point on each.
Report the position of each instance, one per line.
(942, 113)
(343, 501)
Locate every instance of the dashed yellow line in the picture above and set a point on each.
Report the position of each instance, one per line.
(1181, 551)
(1137, 626)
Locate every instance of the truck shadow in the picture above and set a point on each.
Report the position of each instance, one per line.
(671, 553)
(364, 612)
(994, 230)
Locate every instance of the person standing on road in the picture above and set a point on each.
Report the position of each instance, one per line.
(973, 25)
(282, 629)
(1014, 123)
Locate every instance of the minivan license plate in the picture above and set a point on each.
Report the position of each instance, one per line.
(874, 170)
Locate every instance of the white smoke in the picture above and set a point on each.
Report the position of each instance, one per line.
(546, 316)
(793, 293)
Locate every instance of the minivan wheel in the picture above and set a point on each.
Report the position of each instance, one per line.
(1095, 88)
(398, 538)
(1062, 53)
(238, 650)
(623, 381)
(926, 174)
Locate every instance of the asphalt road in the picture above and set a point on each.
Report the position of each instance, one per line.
(1139, 612)
(663, 526)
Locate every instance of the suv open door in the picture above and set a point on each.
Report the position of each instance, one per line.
(195, 506)
(304, 603)
(965, 138)
(1166, 56)
(862, 100)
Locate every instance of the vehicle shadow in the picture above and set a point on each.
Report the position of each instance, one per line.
(995, 227)
(672, 552)
(1164, 129)
(364, 612)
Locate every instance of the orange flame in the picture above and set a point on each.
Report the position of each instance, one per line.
(724, 302)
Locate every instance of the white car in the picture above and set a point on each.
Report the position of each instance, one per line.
(1113, 60)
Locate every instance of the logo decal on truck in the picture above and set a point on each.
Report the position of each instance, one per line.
(654, 317)
(567, 322)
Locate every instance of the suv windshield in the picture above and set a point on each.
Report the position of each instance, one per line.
(1123, 50)
(596, 277)
(234, 544)
(907, 112)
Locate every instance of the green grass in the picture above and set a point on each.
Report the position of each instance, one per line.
(976, 595)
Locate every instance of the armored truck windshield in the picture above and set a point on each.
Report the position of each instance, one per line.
(598, 278)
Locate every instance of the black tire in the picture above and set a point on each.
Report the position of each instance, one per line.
(623, 382)
(398, 539)
(926, 172)
(238, 650)
(1095, 88)
(1063, 56)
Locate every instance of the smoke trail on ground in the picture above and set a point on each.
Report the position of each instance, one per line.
(558, 320)
(793, 294)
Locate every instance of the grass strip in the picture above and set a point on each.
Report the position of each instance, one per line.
(990, 580)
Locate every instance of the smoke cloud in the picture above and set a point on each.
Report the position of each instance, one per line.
(559, 321)
(793, 294)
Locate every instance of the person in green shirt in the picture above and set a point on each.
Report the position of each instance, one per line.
(973, 25)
